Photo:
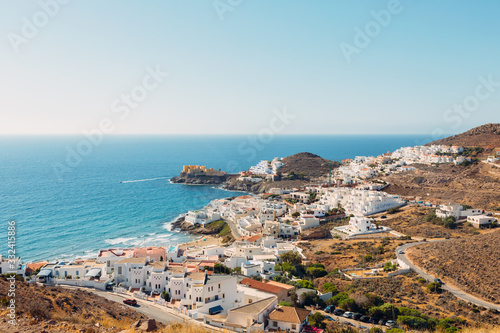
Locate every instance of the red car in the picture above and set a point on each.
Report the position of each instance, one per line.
(130, 301)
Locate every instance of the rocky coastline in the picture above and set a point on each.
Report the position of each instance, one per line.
(180, 223)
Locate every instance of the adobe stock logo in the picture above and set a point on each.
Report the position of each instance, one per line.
(482, 92)
(372, 29)
(223, 6)
(39, 20)
(254, 143)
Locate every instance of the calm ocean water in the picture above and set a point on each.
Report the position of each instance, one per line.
(119, 193)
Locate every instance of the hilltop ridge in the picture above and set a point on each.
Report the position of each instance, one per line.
(486, 136)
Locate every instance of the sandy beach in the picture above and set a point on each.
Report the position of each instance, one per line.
(203, 241)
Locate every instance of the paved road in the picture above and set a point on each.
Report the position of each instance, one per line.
(232, 225)
(455, 291)
(143, 307)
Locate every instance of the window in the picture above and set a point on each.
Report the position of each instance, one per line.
(77, 273)
(294, 326)
(119, 270)
(275, 323)
(108, 263)
(219, 285)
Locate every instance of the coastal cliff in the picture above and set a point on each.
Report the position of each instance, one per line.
(200, 180)
(201, 175)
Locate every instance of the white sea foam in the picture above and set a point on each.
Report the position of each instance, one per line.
(143, 180)
(119, 240)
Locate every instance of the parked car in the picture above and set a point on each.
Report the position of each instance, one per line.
(382, 321)
(329, 309)
(401, 252)
(130, 301)
(438, 281)
(365, 319)
(356, 316)
(338, 312)
(374, 320)
(110, 286)
(348, 314)
(383, 217)
(390, 323)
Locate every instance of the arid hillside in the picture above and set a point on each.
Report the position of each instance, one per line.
(307, 163)
(486, 136)
(415, 222)
(56, 309)
(477, 185)
(469, 263)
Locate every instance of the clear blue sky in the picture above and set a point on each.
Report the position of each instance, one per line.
(227, 76)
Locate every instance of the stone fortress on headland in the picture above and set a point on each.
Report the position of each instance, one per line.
(200, 170)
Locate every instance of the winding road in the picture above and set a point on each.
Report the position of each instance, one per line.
(144, 307)
(455, 291)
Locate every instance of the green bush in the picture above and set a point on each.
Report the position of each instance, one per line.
(287, 267)
(337, 298)
(386, 310)
(412, 322)
(4, 301)
(348, 304)
(433, 287)
(376, 330)
(404, 311)
(221, 269)
(395, 330)
(291, 257)
(283, 303)
(165, 296)
(305, 284)
(389, 266)
(316, 272)
(317, 320)
(329, 287)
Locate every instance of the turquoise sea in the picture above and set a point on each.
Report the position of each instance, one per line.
(70, 196)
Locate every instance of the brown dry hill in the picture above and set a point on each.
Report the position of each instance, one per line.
(310, 164)
(469, 263)
(58, 309)
(305, 166)
(477, 184)
(486, 136)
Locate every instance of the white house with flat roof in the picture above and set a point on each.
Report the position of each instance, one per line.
(481, 221)
(456, 211)
(360, 225)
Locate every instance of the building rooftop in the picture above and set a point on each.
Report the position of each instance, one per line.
(255, 307)
(282, 285)
(218, 277)
(261, 286)
(289, 314)
(132, 261)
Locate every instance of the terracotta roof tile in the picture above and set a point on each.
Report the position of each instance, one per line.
(289, 314)
(261, 286)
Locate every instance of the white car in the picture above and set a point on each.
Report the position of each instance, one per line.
(390, 323)
(348, 314)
